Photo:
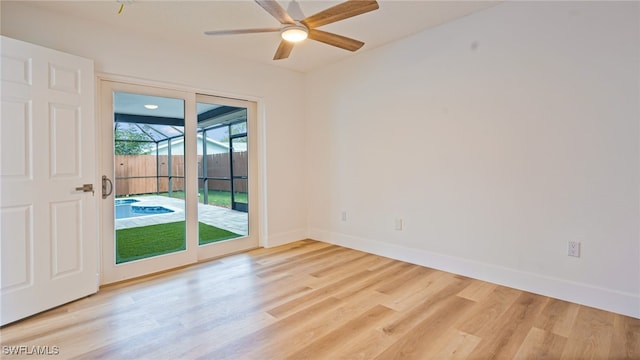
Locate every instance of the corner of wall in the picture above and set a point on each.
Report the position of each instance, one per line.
(285, 238)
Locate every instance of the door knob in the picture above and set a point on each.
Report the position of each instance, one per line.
(85, 188)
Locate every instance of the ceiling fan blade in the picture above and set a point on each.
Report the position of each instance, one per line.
(284, 49)
(339, 12)
(277, 11)
(241, 31)
(336, 40)
(295, 11)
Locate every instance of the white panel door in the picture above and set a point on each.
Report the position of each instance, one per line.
(48, 226)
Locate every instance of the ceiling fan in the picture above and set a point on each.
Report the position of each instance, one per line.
(293, 31)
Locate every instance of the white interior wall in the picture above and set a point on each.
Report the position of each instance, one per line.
(137, 56)
(496, 139)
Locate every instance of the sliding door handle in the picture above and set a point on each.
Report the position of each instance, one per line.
(106, 184)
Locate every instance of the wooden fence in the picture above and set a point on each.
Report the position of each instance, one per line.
(144, 174)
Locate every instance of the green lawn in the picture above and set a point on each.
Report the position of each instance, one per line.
(146, 241)
(216, 197)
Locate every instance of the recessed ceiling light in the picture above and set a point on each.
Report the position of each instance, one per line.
(151, 106)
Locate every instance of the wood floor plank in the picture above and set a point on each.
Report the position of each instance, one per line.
(477, 291)
(625, 342)
(363, 345)
(333, 323)
(312, 297)
(455, 344)
(558, 317)
(312, 300)
(318, 257)
(406, 280)
(266, 255)
(541, 344)
(322, 347)
(202, 340)
(486, 311)
(508, 331)
(380, 276)
(357, 260)
(278, 332)
(421, 339)
(591, 335)
(410, 318)
(428, 285)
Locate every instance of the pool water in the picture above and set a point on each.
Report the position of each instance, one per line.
(126, 201)
(124, 209)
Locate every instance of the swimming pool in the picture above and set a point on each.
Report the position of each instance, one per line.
(124, 208)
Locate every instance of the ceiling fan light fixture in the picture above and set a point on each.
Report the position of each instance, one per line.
(293, 30)
(294, 33)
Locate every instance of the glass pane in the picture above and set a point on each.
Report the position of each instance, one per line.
(218, 193)
(240, 172)
(163, 163)
(240, 158)
(239, 128)
(240, 198)
(149, 186)
(218, 220)
(220, 135)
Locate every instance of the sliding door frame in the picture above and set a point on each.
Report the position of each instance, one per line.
(252, 240)
(111, 273)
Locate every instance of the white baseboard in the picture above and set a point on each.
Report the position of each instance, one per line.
(285, 238)
(584, 294)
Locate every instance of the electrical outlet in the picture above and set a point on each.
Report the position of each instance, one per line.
(343, 216)
(398, 225)
(573, 248)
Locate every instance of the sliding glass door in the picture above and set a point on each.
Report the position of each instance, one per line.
(180, 164)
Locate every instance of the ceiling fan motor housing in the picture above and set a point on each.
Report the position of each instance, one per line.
(294, 33)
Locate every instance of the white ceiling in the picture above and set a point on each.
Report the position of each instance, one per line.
(183, 22)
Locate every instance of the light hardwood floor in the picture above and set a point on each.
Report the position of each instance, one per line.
(311, 300)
